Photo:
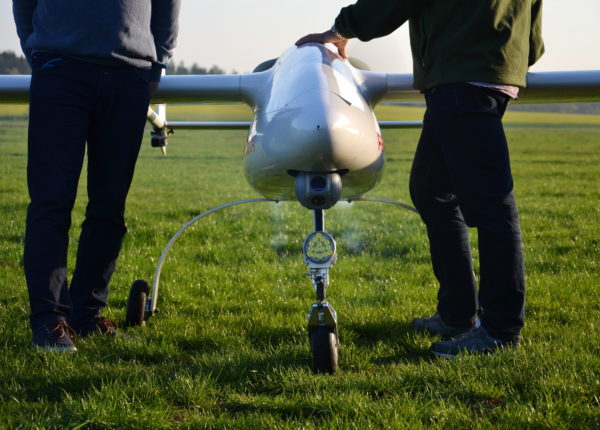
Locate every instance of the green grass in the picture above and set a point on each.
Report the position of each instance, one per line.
(229, 348)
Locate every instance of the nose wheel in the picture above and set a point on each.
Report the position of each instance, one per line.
(137, 304)
(324, 347)
(319, 255)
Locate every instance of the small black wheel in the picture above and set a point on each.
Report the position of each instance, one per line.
(324, 347)
(136, 303)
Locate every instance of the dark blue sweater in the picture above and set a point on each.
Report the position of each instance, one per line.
(140, 33)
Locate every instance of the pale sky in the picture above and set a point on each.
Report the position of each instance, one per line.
(240, 34)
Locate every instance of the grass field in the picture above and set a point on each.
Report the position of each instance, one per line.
(229, 348)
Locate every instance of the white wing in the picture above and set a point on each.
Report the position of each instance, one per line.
(542, 87)
(14, 89)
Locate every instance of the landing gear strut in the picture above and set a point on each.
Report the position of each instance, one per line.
(319, 255)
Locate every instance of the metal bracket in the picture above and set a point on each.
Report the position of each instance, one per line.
(322, 315)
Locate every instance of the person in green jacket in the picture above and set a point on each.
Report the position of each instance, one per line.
(470, 58)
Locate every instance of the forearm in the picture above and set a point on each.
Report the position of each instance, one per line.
(23, 15)
(164, 27)
(369, 19)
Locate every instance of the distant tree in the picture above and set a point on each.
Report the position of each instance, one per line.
(181, 69)
(196, 70)
(216, 70)
(171, 68)
(11, 64)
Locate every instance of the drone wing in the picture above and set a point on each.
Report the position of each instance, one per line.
(542, 87)
(199, 89)
(14, 89)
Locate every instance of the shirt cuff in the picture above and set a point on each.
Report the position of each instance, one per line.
(337, 33)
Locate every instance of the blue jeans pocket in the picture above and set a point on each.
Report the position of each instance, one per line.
(45, 61)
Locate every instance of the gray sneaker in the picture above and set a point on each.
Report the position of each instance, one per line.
(436, 326)
(475, 341)
(54, 337)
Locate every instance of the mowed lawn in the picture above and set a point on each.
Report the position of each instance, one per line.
(229, 348)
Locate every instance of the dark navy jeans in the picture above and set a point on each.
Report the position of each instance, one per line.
(72, 103)
(461, 178)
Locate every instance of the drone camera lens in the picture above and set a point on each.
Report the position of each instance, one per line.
(318, 183)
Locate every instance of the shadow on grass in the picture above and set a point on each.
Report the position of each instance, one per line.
(398, 335)
(263, 351)
(36, 388)
(299, 409)
(215, 356)
(414, 357)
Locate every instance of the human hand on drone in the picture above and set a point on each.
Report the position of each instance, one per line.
(329, 36)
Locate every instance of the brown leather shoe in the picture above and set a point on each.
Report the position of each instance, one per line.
(98, 325)
(55, 337)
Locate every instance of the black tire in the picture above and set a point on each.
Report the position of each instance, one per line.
(323, 344)
(136, 303)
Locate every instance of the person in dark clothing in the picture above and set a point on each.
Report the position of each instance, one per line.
(470, 57)
(94, 68)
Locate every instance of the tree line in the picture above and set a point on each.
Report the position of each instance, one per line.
(13, 64)
(181, 69)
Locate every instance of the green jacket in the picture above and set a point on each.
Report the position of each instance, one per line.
(493, 41)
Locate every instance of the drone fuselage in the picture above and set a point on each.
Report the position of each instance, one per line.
(311, 116)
